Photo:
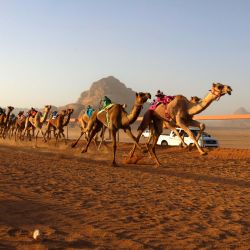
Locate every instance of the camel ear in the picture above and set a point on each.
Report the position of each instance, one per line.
(214, 84)
(136, 94)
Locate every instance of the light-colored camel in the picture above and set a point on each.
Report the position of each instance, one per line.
(180, 112)
(37, 122)
(193, 99)
(116, 118)
(83, 121)
(4, 119)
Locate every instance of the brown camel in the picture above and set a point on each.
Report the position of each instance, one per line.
(11, 125)
(180, 112)
(65, 123)
(4, 119)
(115, 117)
(37, 122)
(58, 123)
(55, 123)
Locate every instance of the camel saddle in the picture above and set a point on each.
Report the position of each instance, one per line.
(103, 115)
(164, 100)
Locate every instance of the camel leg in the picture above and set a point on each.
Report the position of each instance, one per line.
(113, 134)
(197, 124)
(93, 132)
(190, 134)
(75, 143)
(102, 136)
(132, 151)
(152, 149)
(43, 135)
(129, 132)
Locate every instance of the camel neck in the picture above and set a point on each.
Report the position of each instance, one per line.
(133, 115)
(202, 105)
(7, 116)
(67, 120)
(44, 116)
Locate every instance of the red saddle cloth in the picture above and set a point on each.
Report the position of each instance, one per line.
(165, 100)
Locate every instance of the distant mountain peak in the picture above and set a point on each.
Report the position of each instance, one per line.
(241, 110)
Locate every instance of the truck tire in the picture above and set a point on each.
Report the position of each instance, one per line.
(164, 143)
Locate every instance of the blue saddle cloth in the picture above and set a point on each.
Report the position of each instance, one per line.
(54, 114)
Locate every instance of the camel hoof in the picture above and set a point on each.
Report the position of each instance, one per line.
(114, 164)
(84, 150)
(73, 145)
(203, 153)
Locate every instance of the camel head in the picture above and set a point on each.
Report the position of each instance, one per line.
(142, 97)
(10, 108)
(195, 99)
(63, 112)
(70, 111)
(47, 108)
(219, 89)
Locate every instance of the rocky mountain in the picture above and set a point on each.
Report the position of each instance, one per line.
(110, 87)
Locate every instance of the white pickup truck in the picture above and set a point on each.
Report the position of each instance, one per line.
(172, 140)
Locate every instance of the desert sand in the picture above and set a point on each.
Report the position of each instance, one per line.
(78, 201)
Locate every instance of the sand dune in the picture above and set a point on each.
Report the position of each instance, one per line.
(78, 201)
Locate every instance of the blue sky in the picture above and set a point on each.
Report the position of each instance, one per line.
(51, 51)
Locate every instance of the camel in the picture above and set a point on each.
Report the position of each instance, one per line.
(83, 122)
(58, 123)
(115, 117)
(65, 123)
(19, 126)
(11, 125)
(180, 111)
(37, 122)
(193, 99)
(4, 119)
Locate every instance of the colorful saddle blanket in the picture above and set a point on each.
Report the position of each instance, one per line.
(103, 112)
(165, 100)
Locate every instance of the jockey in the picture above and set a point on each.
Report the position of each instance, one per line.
(105, 102)
(160, 98)
(89, 110)
(163, 98)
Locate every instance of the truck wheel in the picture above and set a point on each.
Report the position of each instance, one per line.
(164, 143)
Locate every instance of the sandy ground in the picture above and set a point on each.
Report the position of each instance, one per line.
(78, 201)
